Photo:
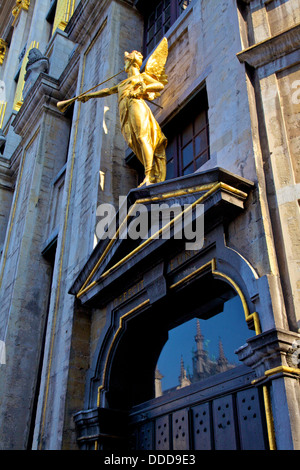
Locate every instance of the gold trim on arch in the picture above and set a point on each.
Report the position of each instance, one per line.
(138, 307)
(210, 188)
(249, 317)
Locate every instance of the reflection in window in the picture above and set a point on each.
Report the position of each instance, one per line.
(199, 349)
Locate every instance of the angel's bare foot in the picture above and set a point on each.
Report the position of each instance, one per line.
(146, 182)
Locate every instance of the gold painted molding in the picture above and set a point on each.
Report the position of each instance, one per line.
(3, 105)
(64, 11)
(210, 189)
(279, 369)
(213, 266)
(130, 312)
(20, 5)
(269, 418)
(3, 48)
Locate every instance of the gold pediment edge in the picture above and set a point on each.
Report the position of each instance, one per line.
(209, 188)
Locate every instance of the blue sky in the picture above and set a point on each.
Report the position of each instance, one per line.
(229, 325)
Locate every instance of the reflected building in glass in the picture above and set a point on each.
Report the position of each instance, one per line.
(204, 364)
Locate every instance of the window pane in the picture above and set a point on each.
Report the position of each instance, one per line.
(170, 169)
(167, 13)
(159, 9)
(158, 23)
(188, 170)
(150, 45)
(159, 36)
(151, 19)
(201, 160)
(200, 142)
(187, 134)
(187, 155)
(150, 33)
(171, 148)
(167, 26)
(200, 121)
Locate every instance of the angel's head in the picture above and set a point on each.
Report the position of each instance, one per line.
(134, 59)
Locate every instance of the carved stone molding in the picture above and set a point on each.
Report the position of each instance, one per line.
(272, 48)
(37, 63)
(271, 354)
(97, 426)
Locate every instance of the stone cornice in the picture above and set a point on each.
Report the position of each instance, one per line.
(6, 175)
(84, 17)
(271, 353)
(272, 48)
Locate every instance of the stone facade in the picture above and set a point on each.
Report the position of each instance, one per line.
(55, 170)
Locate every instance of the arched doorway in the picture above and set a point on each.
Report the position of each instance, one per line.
(220, 410)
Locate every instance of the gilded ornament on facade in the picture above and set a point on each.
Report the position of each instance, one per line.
(3, 47)
(139, 127)
(20, 5)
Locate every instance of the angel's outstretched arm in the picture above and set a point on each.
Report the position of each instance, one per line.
(99, 94)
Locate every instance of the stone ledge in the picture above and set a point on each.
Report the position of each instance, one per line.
(270, 354)
(223, 195)
(272, 48)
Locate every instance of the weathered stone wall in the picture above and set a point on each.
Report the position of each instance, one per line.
(26, 277)
(202, 50)
(273, 34)
(253, 132)
(95, 173)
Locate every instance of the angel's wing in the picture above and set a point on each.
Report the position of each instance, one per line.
(155, 66)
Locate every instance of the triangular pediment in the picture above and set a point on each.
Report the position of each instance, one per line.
(221, 193)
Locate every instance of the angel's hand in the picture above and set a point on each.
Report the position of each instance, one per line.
(83, 98)
(139, 90)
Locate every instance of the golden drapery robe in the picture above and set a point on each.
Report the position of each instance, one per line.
(138, 122)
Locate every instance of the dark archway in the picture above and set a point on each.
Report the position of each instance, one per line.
(130, 374)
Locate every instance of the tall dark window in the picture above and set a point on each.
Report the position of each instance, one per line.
(188, 138)
(159, 18)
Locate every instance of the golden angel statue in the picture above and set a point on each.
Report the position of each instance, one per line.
(139, 127)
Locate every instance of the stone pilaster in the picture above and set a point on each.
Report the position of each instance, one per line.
(274, 357)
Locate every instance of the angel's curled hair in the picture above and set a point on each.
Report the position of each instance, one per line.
(135, 57)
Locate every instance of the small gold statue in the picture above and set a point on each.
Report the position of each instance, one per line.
(139, 127)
